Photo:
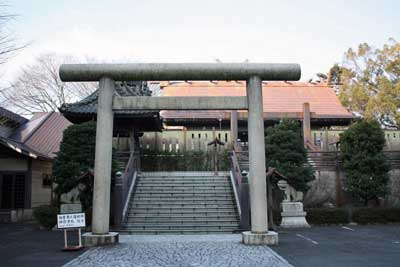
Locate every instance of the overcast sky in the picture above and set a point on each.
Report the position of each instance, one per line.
(312, 33)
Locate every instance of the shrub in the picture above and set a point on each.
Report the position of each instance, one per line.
(75, 158)
(376, 215)
(46, 215)
(327, 216)
(363, 160)
(284, 147)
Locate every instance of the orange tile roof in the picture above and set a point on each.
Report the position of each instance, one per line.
(279, 98)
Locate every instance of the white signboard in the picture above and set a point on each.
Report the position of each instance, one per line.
(72, 220)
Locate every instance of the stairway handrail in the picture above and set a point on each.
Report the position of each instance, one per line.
(241, 190)
(125, 186)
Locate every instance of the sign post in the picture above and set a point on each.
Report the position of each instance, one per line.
(71, 221)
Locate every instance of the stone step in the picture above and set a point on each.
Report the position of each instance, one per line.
(183, 217)
(154, 213)
(185, 225)
(185, 174)
(175, 232)
(183, 187)
(179, 206)
(183, 202)
(144, 197)
(227, 220)
(181, 209)
(179, 183)
(193, 194)
(180, 203)
(182, 227)
(183, 191)
(184, 180)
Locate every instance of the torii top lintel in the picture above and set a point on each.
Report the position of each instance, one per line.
(180, 71)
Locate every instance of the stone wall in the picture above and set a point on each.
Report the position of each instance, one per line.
(323, 190)
(393, 198)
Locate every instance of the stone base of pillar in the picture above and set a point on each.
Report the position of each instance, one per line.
(269, 238)
(293, 215)
(94, 240)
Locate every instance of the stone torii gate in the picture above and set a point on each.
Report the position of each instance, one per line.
(252, 73)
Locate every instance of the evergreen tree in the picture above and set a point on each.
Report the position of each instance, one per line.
(363, 160)
(75, 158)
(285, 151)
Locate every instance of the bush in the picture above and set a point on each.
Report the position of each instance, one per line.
(46, 215)
(364, 163)
(75, 158)
(327, 216)
(284, 148)
(376, 215)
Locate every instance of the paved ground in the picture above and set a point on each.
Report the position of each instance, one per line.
(26, 245)
(379, 245)
(178, 250)
(336, 246)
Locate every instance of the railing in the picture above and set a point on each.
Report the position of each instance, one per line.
(124, 186)
(330, 161)
(394, 158)
(241, 190)
(327, 161)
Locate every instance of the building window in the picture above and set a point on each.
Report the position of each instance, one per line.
(46, 180)
(394, 135)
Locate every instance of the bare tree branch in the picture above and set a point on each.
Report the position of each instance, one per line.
(8, 41)
(39, 88)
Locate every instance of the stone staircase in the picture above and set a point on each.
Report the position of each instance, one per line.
(121, 159)
(182, 202)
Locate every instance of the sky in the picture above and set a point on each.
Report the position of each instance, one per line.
(313, 33)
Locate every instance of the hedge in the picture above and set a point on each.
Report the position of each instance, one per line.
(320, 216)
(376, 215)
(46, 216)
(328, 216)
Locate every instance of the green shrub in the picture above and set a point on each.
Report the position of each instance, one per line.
(327, 216)
(76, 157)
(364, 163)
(46, 215)
(376, 215)
(284, 150)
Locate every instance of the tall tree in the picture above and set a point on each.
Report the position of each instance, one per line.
(39, 87)
(370, 80)
(363, 160)
(285, 151)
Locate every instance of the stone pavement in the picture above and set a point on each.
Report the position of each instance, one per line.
(180, 250)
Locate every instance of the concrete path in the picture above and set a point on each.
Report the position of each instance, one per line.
(180, 250)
